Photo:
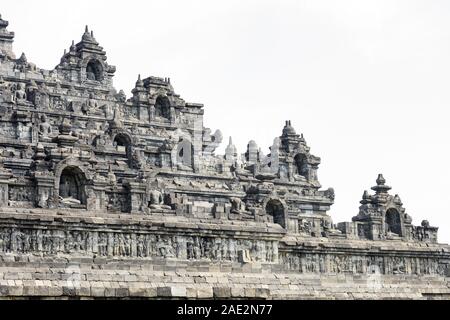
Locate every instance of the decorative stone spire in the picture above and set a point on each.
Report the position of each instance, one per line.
(88, 36)
(6, 40)
(231, 150)
(23, 58)
(380, 180)
(290, 140)
(252, 153)
(365, 198)
(86, 61)
(381, 188)
(3, 23)
(139, 90)
(288, 129)
(72, 46)
(139, 82)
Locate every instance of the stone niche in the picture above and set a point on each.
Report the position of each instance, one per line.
(72, 186)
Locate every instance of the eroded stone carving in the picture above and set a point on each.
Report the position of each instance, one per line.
(71, 145)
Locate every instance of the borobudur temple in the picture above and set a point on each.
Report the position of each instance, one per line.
(104, 196)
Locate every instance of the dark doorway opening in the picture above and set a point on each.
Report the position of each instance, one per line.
(275, 211)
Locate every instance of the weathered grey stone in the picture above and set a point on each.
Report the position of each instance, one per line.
(221, 292)
(174, 291)
(107, 196)
(205, 293)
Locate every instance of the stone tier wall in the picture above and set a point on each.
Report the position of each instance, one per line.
(23, 276)
(66, 254)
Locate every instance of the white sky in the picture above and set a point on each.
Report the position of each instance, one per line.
(367, 82)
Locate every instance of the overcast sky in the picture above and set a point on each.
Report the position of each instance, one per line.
(366, 82)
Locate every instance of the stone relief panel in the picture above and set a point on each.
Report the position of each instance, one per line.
(8, 130)
(362, 264)
(135, 245)
(117, 202)
(21, 196)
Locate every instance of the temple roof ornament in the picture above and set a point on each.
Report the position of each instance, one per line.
(231, 150)
(6, 40)
(3, 23)
(139, 82)
(86, 61)
(288, 129)
(381, 187)
(88, 37)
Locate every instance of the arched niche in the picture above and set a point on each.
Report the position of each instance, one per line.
(301, 165)
(185, 153)
(122, 142)
(276, 212)
(162, 107)
(393, 222)
(72, 186)
(94, 70)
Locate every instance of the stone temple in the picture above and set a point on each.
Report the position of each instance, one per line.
(104, 196)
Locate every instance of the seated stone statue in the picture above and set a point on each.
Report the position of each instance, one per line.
(43, 200)
(329, 228)
(44, 129)
(20, 92)
(237, 206)
(69, 200)
(156, 200)
(392, 235)
(334, 231)
(91, 106)
(90, 75)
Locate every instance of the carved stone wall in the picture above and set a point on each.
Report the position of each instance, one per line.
(135, 245)
(86, 171)
(365, 264)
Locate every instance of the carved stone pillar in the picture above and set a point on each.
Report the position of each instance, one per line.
(94, 236)
(44, 190)
(290, 164)
(275, 251)
(111, 244)
(151, 113)
(133, 245)
(377, 229)
(182, 248)
(23, 125)
(172, 115)
(136, 192)
(99, 203)
(4, 188)
(312, 173)
(143, 113)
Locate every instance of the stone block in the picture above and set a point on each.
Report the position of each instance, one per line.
(205, 293)
(122, 292)
(238, 292)
(173, 291)
(97, 292)
(222, 292)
